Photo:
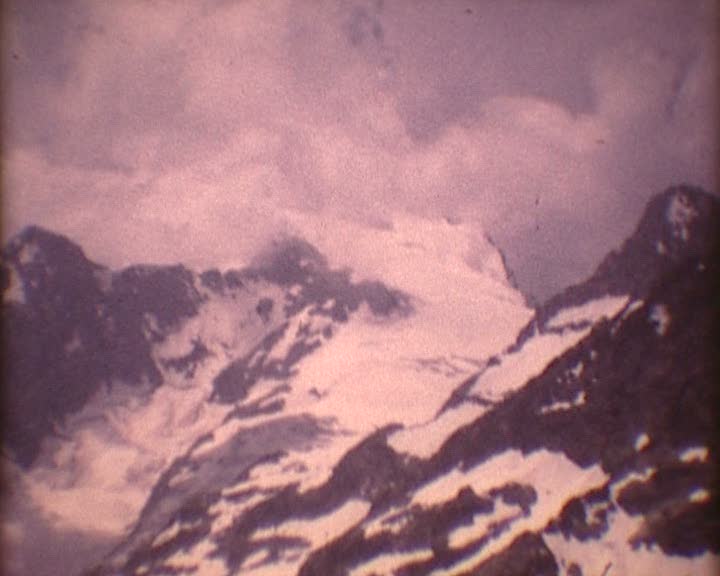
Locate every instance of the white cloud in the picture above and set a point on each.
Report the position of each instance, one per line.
(189, 129)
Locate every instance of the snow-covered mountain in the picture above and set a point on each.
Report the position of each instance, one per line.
(296, 418)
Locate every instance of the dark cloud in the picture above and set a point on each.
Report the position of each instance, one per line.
(364, 25)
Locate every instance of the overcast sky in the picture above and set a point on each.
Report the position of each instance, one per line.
(166, 131)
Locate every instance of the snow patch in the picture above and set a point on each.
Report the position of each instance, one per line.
(228, 326)
(516, 369)
(198, 560)
(15, 292)
(424, 440)
(481, 523)
(641, 442)
(548, 472)
(694, 454)
(169, 534)
(699, 495)
(593, 311)
(315, 531)
(391, 563)
(660, 318)
(74, 344)
(150, 326)
(554, 477)
(680, 214)
(579, 400)
(630, 478)
(496, 383)
(392, 521)
(577, 370)
(367, 376)
(633, 307)
(224, 511)
(220, 436)
(28, 253)
(613, 554)
(303, 321)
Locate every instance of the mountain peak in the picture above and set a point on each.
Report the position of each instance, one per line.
(37, 263)
(680, 214)
(35, 245)
(679, 230)
(679, 225)
(679, 222)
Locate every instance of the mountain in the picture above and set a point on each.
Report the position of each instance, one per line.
(76, 327)
(288, 418)
(137, 366)
(679, 226)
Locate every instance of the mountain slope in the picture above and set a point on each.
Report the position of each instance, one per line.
(349, 439)
(190, 362)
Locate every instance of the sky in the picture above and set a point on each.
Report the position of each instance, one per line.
(165, 131)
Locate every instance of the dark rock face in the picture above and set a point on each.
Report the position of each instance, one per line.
(575, 521)
(77, 327)
(72, 327)
(528, 554)
(144, 304)
(236, 380)
(57, 343)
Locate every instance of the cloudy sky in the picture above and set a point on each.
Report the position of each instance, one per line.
(169, 130)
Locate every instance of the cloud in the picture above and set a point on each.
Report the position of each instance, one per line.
(190, 130)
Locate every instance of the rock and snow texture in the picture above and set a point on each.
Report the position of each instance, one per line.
(289, 348)
(680, 214)
(296, 418)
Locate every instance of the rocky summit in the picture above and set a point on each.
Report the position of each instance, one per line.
(290, 418)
